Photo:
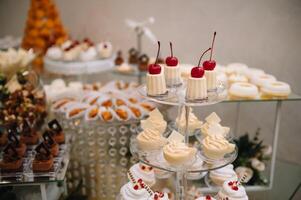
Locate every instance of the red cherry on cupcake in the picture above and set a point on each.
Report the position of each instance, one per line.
(198, 72)
(171, 61)
(208, 197)
(210, 64)
(155, 68)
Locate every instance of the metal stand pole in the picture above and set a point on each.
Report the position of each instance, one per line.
(275, 142)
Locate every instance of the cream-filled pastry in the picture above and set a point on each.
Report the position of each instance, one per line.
(154, 121)
(178, 153)
(172, 70)
(144, 172)
(219, 176)
(231, 190)
(275, 89)
(150, 140)
(261, 80)
(239, 91)
(130, 191)
(216, 146)
(193, 122)
(155, 80)
(212, 126)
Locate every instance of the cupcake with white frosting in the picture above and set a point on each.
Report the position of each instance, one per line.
(105, 49)
(216, 146)
(232, 190)
(155, 121)
(193, 122)
(133, 192)
(144, 172)
(223, 174)
(150, 140)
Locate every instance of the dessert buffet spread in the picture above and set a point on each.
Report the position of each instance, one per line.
(74, 57)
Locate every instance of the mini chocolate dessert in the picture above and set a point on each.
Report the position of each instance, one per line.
(143, 62)
(11, 161)
(3, 137)
(43, 160)
(14, 141)
(56, 131)
(50, 143)
(133, 56)
(119, 59)
(29, 135)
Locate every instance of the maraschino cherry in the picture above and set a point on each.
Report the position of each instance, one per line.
(198, 72)
(155, 68)
(210, 64)
(171, 60)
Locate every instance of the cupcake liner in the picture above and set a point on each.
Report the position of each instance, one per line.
(102, 110)
(90, 111)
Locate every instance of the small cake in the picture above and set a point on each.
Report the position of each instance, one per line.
(210, 71)
(143, 62)
(159, 196)
(207, 197)
(133, 56)
(57, 131)
(275, 89)
(193, 123)
(89, 54)
(178, 153)
(261, 80)
(131, 191)
(29, 135)
(172, 70)
(150, 140)
(43, 160)
(144, 172)
(223, 174)
(239, 91)
(19, 146)
(232, 190)
(11, 161)
(50, 143)
(253, 72)
(119, 59)
(215, 146)
(155, 80)
(197, 84)
(212, 126)
(155, 121)
(54, 53)
(105, 49)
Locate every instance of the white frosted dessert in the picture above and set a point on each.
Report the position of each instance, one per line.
(159, 196)
(144, 172)
(54, 53)
(178, 153)
(236, 68)
(172, 76)
(243, 91)
(88, 55)
(231, 190)
(237, 78)
(215, 146)
(105, 49)
(254, 72)
(211, 78)
(223, 174)
(196, 88)
(155, 84)
(207, 197)
(193, 122)
(150, 140)
(212, 126)
(155, 121)
(261, 80)
(275, 89)
(130, 191)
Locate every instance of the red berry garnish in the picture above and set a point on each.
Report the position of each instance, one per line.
(142, 185)
(198, 72)
(171, 60)
(156, 196)
(230, 183)
(161, 194)
(235, 188)
(155, 68)
(143, 167)
(150, 168)
(210, 64)
(136, 187)
(139, 180)
(208, 197)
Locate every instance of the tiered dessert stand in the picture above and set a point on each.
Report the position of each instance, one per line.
(176, 97)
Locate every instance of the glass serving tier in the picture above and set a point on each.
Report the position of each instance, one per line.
(176, 96)
(156, 160)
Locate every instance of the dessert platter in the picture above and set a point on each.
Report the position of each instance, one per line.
(171, 150)
(74, 57)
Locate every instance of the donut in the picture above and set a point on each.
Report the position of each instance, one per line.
(253, 72)
(237, 78)
(243, 91)
(275, 89)
(261, 80)
(236, 68)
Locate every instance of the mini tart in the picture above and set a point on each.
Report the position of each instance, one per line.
(106, 115)
(107, 103)
(31, 139)
(239, 91)
(122, 113)
(135, 111)
(275, 89)
(120, 102)
(11, 165)
(42, 165)
(178, 153)
(215, 146)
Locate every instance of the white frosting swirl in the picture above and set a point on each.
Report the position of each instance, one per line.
(193, 123)
(221, 175)
(215, 146)
(232, 194)
(177, 153)
(148, 176)
(128, 192)
(54, 53)
(150, 139)
(154, 121)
